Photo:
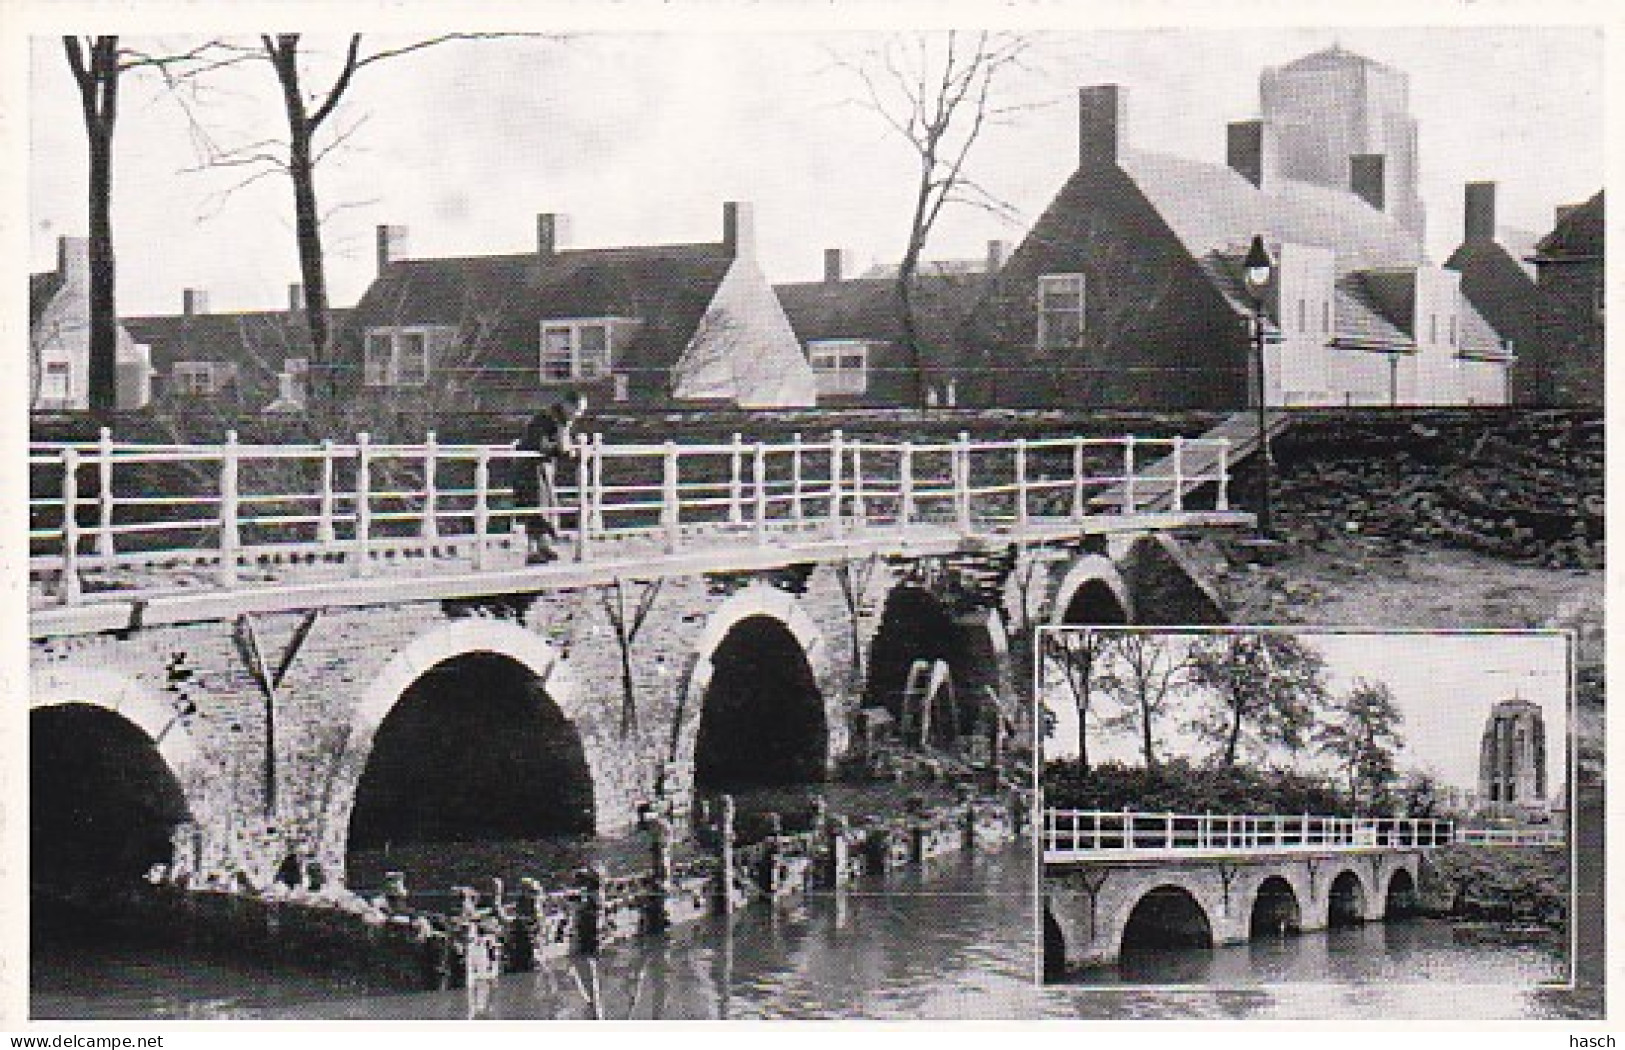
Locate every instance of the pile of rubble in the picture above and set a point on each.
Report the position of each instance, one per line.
(1528, 488)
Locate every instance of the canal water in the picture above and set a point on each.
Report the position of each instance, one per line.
(952, 941)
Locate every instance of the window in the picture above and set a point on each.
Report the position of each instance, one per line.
(203, 378)
(1060, 311)
(1303, 315)
(397, 357)
(1452, 329)
(577, 349)
(1326, 316)
(57, 383)
(1433, 329)
(840, 366)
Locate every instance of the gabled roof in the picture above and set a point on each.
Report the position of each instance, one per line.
(257, 341)
(1578, 235)
(42, 288)
(868, 307)
(505, 297)
(1214, 213)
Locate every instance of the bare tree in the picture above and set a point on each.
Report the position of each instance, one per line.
(98, 63)
(936, 91)
(309, 103)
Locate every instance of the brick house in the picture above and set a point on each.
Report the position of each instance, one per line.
(59, 338)
(681, 324)
(246, 361)
(1128, 291)
(1501, 286)
(1569, 266)
(851, 328)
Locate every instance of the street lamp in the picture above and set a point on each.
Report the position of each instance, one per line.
(1257, 270)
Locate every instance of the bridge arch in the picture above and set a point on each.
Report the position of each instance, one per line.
(759, 669)
(1092, 594)
(1401, 899)
(514, 660)
(917, 624)
(1347, 898)
(1276, 908)
(1168, 915)
(113, 769)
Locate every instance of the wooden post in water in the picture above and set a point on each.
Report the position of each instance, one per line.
(726, 838)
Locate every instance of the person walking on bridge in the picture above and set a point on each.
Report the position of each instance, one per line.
(549, 434)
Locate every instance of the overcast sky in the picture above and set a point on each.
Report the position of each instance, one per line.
(639, 138)
(1443, 684)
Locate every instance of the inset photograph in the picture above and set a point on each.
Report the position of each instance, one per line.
(1241, 808)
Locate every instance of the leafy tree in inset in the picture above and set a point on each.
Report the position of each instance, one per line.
(1263, 689)
(1145, 671)
(1080, 657)
(1363, 738)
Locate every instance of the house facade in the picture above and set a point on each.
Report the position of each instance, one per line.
(677, 325)
(1501, 286)
(1569, 263)
(1128, 291)
(851, 329)
(59, 339)
(231, 363)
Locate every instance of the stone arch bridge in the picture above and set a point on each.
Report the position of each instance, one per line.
(250, 653)
(1116, 881)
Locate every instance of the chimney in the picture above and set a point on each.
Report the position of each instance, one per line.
(296, 297)
(739, 229)
(997, 252)
(391, 245)
(194, 301)
(1250, 151)
(552, 233)
(1479, 219)
(1102, 124)
(836, 262)
(73, 259)
(1368, 179)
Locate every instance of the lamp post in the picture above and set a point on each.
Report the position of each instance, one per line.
(1257, 271)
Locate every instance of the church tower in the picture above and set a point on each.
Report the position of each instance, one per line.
(1343, 121)
(1512, 757)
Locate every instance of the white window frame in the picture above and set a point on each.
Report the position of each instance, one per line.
(835, 376)
(53, 369)
(1062, 285)
(201, 378)
(392, 374)
(578, 369)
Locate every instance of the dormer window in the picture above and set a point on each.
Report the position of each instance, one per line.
(840, 366)
(579, 349)
(397, 357)
(1060, 311)
(203, 378)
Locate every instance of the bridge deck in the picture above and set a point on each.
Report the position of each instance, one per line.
(169, 533)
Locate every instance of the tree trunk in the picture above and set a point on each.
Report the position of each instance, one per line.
(1234, 739)
(312, 266)
(103, 377)
(1145, 735)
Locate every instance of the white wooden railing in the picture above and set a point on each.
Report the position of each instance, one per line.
(1075, 834)
(227, 504)
(1511, 836)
